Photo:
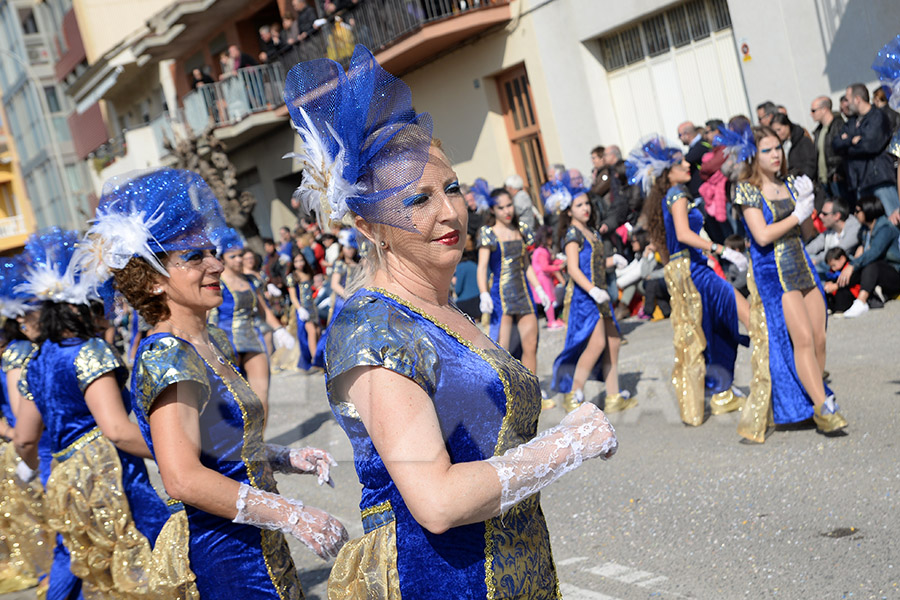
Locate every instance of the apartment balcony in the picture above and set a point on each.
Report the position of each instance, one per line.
(139, 148)
(12, 226)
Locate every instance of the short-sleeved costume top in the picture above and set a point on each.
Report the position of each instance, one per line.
(508, 263)
(592, 262)
(13, 357)
(787, 254)
(236, 316)
(486, 402)
(230, 560)
(695, 222)
(303, 289)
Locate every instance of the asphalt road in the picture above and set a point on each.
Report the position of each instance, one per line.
(689, 512)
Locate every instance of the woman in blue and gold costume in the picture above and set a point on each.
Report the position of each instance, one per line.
(242, 303)
(300, 290)
(706, 309)
(774, 208)
(506, 277)
(199, 416)
(98, 496)
(442, 420)
(343, 271)
(27, 541)
(592, 336)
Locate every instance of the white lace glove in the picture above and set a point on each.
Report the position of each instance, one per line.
(303, 314)
(523, 471)
(599, 296)
(302, 460)
(620, 261)
(736, 258)
(486, 303)
(544, 298)
(25, 473)
(803, 185)
(804, 208)
(319, 531)
(273, 290)
(283, 339)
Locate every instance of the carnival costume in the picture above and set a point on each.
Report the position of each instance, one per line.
(98, 498)
(779, 267)
(308, 357)
(354, 127)
(171, 211)
(509, 288)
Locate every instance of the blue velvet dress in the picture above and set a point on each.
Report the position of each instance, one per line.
(309, 357)
(507, 265)
(777, 268)
(83, 492)
(230, 561)
(236, 316)
(486, 402)
(720, 317)
(581, 312)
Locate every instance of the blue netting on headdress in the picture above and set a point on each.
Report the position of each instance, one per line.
(225, 239)
(887, 65)
(739, 144)
(364, 147)
(482, 191)
(50, 274)
(12, 273)
(348, 238)
(561, 192)
(647, 162)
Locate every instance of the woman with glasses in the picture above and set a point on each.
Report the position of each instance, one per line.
(774, 206)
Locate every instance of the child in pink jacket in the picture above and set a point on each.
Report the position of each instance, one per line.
(547, 269)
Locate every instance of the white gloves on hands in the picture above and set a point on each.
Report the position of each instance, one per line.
(620, 261)
(736, 258)
(313, 461)
(302, 314)
(25, 473)
(523, 471)
(485, 303)
(273, 290)
(804, 206)
(804, 187)
(544, 298)
(599, 296)
(319, 531)
(283, 339)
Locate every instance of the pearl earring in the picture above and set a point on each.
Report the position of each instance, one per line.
(157, 291)
(383, 244)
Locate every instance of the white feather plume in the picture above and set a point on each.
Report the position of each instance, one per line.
(323, 189)
(12, 308)
(559, 200)
(45, 283)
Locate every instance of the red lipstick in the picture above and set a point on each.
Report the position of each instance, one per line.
(449, 239)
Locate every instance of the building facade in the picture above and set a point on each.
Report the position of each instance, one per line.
(16, 218)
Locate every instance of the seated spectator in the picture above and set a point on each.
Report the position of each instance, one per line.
(200, 78)
(736, 265)
(798, 147)
(839, 298)
(877, 260)
(644, 276)
(841, 231)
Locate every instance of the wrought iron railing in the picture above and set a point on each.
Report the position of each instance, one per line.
(250, 90)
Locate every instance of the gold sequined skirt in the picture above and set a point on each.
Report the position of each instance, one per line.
(366, 567)
(26, 541)
(689, 369)
(756, 413)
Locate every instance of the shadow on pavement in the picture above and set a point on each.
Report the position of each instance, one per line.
(307, 427)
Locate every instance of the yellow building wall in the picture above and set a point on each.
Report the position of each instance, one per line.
(103, 24)
(12, 186)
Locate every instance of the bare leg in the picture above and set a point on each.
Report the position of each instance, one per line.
(528, 327)
(595, 347)
(611, 359)
(505, 333)
(256, 365)
(800, 328)
(743, 309)
(815, 306)
(312, 337)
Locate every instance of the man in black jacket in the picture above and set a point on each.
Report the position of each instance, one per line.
(692, 137)
(828, 163)
(863, 142)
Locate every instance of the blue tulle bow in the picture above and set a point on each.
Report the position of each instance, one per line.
(482, 191)
(738, 144)
(647, 162)
(887, 65)
(226, 239)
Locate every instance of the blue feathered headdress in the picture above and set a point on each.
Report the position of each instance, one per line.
(50, 273)
(482, 191)
(13, 304)
(739, 144)
(364, 147)
(647, 162)
(887, 65)
(562, 192)
(225, 239)
(147, 213)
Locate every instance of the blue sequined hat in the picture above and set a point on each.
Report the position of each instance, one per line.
(647, 162)
(887, 65)
(147, 213)
(226, 239)
(562, 192)
(364, 147)
(13, 304)
(50, 273)
(482, 191)
(739, 143)
(348, 238)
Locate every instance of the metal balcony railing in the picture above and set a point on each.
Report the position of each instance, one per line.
(10, 226)
(250, 90)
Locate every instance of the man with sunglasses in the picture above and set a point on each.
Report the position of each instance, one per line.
(841, 231)
(829, 163)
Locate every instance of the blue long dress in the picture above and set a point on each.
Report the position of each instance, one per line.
(720, 317)
(777, 268)
(486, 402)
(230, 561)
(507, 265)
(237, 316)
(83, 491)
(581, 312)
(309, 357)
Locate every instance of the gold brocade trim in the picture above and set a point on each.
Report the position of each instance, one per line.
(171, 575)
(366, 567)
(781, 244)
(378, 508)
(78, 444)
(756, 414)
(689, 368)
(567, 301)
(87, 506)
